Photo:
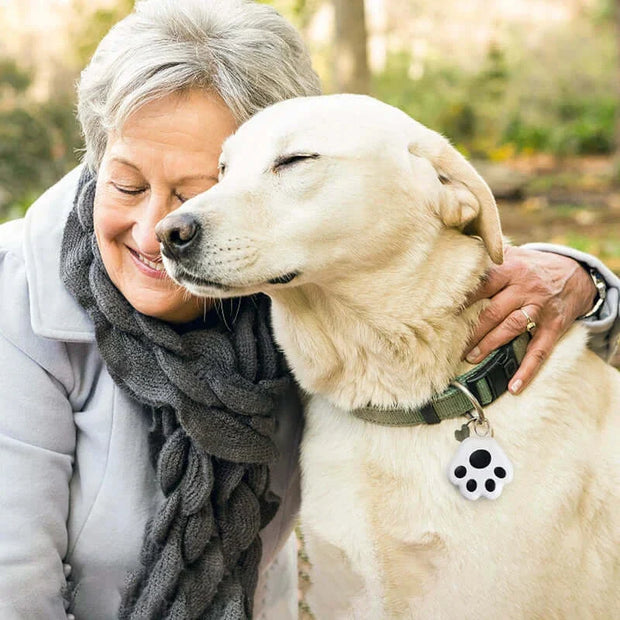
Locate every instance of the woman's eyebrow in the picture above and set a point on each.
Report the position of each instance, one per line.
(197, 177)
(126, 162)
(183, 179)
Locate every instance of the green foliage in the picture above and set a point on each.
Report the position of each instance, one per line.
(606, 248)
(63, 128)
(37, 145)
(298, 12)
(24, 147)
(93, 25)
(38, 140)
(527, 136)
(18, 208)
(602, 11)
(13, 77)
(459, 104)
(503, 103)
(587, 126)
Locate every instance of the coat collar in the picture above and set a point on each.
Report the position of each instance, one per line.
(54, 313)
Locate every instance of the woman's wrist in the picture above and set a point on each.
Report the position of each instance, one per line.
(599, 293)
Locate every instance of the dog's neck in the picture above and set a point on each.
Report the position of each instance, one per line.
(393, 336)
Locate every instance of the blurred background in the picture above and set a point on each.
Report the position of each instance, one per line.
(528, 89)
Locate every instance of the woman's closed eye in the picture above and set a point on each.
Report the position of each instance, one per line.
(129, 190)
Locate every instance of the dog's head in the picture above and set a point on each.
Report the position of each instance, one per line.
(314, 187)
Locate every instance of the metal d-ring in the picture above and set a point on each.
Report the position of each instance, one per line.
(479, 422)
(472, 399)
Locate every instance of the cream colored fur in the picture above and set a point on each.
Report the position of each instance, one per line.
(388, 229)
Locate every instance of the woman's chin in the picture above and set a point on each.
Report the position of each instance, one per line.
(170, 306)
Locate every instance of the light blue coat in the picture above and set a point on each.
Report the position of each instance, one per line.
(76, 484)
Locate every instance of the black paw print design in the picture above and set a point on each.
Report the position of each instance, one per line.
(480, 468)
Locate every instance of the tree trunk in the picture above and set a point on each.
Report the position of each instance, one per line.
(617, 126)
(351, 58)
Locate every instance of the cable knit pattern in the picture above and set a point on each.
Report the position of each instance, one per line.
(211, 395)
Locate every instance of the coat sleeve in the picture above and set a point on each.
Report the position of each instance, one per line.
(278, 591)
(37, 442)
(604, 326)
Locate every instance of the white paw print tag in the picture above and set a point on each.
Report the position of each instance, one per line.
(480, 468)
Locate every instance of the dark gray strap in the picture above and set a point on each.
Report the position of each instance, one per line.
(487, 382)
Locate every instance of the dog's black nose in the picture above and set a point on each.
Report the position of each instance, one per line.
(177, 233)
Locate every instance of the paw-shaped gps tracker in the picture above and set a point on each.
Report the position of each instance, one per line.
(480, 468)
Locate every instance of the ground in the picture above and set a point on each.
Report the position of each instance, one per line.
(570, 201)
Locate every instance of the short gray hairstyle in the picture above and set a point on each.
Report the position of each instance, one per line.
(244, 51)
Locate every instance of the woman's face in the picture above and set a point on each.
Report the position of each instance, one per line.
(166, 153)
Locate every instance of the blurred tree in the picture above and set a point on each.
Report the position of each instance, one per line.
(91, 24)
(617, 124)
(39, 140)
(14, 80)
(352, 74)
(298, 12)
(25, 148)
(607, 13)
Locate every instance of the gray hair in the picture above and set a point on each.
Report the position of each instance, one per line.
(244, 51)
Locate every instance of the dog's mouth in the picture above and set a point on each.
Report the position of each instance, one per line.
(185, 278)
(285, 278)
(205, 287)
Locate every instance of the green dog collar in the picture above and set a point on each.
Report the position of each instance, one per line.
(487, 382)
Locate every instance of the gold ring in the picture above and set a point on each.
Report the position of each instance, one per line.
(531, 324)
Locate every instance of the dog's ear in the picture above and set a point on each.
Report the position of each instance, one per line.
(468, 203)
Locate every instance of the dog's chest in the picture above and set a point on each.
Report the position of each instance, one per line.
(386, 493)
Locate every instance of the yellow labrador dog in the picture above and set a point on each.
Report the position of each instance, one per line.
(368, 231)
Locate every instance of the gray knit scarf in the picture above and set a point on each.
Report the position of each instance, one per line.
(211, 395)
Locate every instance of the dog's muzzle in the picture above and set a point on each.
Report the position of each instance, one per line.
(178, 234)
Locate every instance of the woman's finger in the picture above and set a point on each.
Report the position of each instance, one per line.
(493, 282)
(500, 306)
(538, 351)
(514, 324)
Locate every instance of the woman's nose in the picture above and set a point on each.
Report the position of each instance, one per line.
(154, 210)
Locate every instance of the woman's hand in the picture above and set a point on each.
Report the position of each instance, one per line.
(552, 289)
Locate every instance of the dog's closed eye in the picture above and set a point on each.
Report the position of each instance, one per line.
(290, 160)
(444, 180)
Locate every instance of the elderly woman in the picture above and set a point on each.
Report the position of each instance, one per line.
(148, 440)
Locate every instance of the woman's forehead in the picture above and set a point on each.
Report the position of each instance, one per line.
(191, 127)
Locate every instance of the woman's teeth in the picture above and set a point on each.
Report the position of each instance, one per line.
(157, 266)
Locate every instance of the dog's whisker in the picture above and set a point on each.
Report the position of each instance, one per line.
(238, 300)
(223, 315)
(219, 309)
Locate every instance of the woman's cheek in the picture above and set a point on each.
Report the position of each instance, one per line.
(110, 216)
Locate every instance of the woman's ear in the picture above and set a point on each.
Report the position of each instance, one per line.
(468, 203)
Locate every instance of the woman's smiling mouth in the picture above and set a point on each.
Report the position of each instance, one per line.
(153, 269)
